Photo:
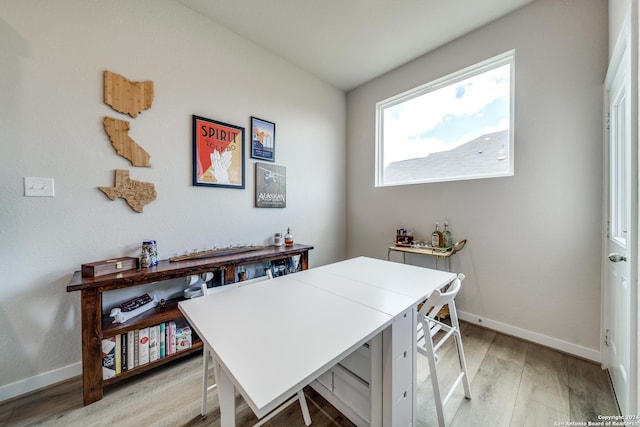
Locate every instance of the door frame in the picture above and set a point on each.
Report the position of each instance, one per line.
(627, 39)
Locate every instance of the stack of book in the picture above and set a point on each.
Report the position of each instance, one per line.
(138, 347)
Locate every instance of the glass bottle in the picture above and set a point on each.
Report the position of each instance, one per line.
(447, 238)
(436, 237)
(288, 238)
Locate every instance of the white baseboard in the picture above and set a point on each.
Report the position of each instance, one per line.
(36, 382)
(566, 347)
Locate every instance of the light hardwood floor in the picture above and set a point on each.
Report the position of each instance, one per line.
(513, 383)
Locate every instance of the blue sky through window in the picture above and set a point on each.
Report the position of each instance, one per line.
(448, 117)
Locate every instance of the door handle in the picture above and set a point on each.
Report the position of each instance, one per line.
(617, 257)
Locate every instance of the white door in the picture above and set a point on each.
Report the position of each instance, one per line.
(620, 239)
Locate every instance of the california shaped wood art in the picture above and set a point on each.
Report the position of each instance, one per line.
(137, 194)
(118, 131)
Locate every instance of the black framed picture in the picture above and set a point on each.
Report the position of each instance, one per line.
(271, 186)
(263, 139)
(218, 154)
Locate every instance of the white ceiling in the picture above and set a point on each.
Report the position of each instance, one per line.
(348, 42)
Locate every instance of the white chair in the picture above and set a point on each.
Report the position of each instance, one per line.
(208, 355)
(429, 343)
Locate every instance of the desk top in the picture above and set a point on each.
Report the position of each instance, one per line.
(274, 337)
(413, 281)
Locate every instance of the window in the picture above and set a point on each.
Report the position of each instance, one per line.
(457, 127)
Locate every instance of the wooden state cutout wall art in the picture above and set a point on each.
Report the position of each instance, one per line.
(118, 131)
(125, 96)
(137, 194)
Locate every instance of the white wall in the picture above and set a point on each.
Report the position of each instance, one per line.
(617, 11)
(52, 56)
(534, 252)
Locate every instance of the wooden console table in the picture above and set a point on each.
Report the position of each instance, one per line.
(96, 326)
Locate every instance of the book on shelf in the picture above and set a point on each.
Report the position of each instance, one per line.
(136, 348)
(118, 351)
(143, 346)
(131, 343)
(183, 338)
(163, 340)
(124, 351)
(108, 358)
(172, 340)
(154, 345)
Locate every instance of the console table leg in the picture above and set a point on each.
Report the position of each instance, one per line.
(91, 309)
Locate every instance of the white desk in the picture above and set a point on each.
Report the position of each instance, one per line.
(273, 338)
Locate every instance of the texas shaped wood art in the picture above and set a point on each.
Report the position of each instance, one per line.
(137, 194)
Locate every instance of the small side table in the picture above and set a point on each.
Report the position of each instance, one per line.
(434, 252)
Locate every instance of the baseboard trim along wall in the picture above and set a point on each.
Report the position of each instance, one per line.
(34, 383)
(554, 343)
(37, 382)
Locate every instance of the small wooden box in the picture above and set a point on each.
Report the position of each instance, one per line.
(109, 266)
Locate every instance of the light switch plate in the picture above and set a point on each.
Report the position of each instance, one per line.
(38, 187)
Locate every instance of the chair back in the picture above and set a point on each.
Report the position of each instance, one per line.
(216, 289)
(438, 298)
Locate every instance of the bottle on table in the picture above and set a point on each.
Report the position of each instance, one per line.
(436, 237)
(288, 238)
(447, 238)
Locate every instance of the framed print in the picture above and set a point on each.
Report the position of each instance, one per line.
(271, 186)
(218, 154)
(263, 139)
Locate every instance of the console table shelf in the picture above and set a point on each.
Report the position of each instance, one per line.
(96, 326)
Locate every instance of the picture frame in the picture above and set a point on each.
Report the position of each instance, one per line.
(271, 185)
(263, 140)
(218, 154)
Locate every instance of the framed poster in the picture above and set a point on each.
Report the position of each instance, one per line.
(271, 186)
(218, 154)
(263, 139)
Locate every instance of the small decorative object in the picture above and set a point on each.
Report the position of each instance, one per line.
(447, 238)
(277, 239)
(150, 253)
(436, 237)
(263, 139)
(126, 96)
(118, 132)
(403, 237)
(209, 253)
(120, 316)
(288, 238)
(271, 186)
(136, 193)
(163, 303)
(136, 302)
(109, 266)
(218, 154)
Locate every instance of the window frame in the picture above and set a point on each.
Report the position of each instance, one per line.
(448, 80)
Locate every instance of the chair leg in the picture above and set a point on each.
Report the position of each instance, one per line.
(434, 380)
(461, 358)
(206, 388)
(304, 408)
